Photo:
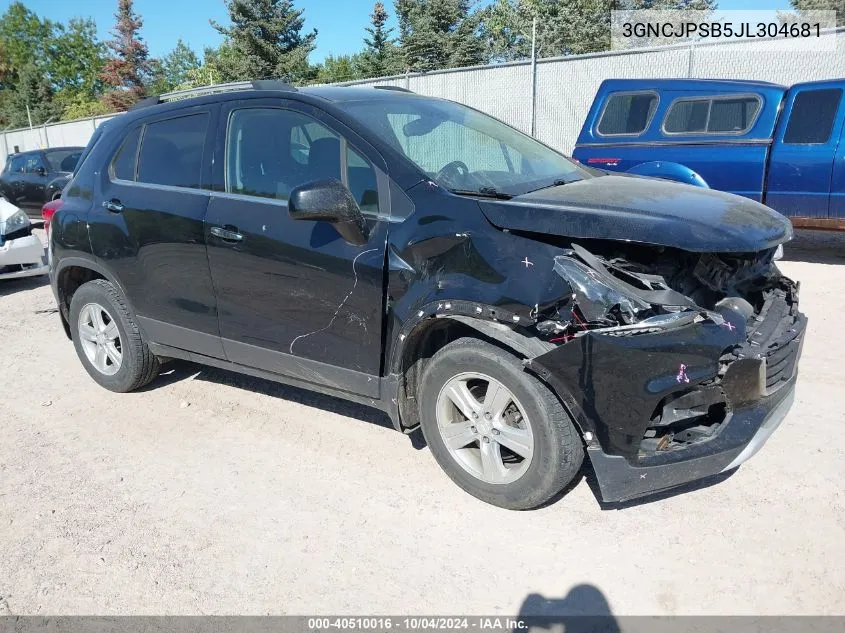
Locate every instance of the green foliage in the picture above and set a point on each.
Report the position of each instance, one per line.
(174, 69)
(267, 41)
(25, 37)
(77, 105)
(32, 90)
(822, 5)
(381, 55)
(435, 34)
(76, 57)
(340, 68)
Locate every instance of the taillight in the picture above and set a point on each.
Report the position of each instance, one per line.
(49, 210)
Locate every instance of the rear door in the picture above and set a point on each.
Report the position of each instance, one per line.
(13, 178)
(806, 144)
(148, 224)
(294, 297)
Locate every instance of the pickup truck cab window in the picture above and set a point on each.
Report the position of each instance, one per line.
(627, 114)
(812, 117)
(712, 115)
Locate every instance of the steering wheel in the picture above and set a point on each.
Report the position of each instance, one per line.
(450, 170)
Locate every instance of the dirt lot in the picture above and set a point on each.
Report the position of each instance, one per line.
(215, 493)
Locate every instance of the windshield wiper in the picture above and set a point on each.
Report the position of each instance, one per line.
(556, 183)
(483, 192)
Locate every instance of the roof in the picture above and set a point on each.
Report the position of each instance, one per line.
(690, 84)
(46, 149)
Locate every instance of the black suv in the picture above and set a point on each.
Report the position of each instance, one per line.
(30, 179)
(419, 256)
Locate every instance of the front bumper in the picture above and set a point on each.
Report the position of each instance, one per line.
(744, 435)
(669, 405)
(23, 257)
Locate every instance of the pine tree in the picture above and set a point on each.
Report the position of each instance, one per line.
(436, 34)
(821, 5)
(267, 37)
(379, 57)
(129, 65)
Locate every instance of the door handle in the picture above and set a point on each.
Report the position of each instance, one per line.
(113, 205)
(226, 234)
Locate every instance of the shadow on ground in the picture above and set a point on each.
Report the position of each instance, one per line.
(584, 609)
(11, 286)
(816, 247)
(178, 370)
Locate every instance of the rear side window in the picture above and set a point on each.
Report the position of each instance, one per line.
(627, 113)
(123, 165)
(714, 116)
(171, 152)
(812, 116)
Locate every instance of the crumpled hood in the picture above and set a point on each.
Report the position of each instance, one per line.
(644, 210)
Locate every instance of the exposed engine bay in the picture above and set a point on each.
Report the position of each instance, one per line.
(616, 290)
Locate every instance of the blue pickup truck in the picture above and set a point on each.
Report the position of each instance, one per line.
(774, 144)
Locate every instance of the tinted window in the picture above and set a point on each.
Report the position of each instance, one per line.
(716, 116)
(16, 165)
(171, 151)
(63, 159)
(362, 181)
(123, 165)
(733, 115)
(687, 116)
(32, 164)
(627, 113)
(270, 151)
(812, 116)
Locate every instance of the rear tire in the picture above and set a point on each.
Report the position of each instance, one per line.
(520, 455)
(107, 339)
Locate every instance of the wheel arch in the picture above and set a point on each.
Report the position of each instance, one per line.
(70, 274)
(420, 339)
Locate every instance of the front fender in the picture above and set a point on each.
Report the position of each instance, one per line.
(669, 171)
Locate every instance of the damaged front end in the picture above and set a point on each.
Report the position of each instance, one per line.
(676, 365)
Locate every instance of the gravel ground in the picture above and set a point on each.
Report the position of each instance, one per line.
(213, 493)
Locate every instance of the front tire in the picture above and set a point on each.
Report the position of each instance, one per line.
(107, 340)
(495, 429)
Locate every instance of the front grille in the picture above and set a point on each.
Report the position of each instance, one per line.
(775, 334)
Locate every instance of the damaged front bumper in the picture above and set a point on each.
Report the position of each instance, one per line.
(665, 403)
(22, 257)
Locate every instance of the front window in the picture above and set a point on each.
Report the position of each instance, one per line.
(464, 150)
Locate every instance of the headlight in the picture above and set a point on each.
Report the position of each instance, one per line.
(14, 222)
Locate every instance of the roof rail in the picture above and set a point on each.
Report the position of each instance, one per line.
(396, 88)
(202, 91)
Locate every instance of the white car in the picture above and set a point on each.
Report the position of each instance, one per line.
(21, 252)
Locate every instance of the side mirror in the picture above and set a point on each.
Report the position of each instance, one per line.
(330, 201)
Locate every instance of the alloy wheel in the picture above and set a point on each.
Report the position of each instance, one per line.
(100, 339)
(484, 428)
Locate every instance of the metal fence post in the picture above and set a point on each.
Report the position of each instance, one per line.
(691, 61)
(533, 76)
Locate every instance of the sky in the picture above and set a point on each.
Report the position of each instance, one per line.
(340, 23)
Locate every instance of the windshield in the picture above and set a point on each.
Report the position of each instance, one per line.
(464, 150)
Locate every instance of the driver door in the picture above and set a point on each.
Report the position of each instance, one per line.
(293, 297)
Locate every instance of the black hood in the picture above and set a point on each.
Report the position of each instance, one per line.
(644, 210)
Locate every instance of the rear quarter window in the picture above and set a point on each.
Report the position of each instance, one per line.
(627, 114)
